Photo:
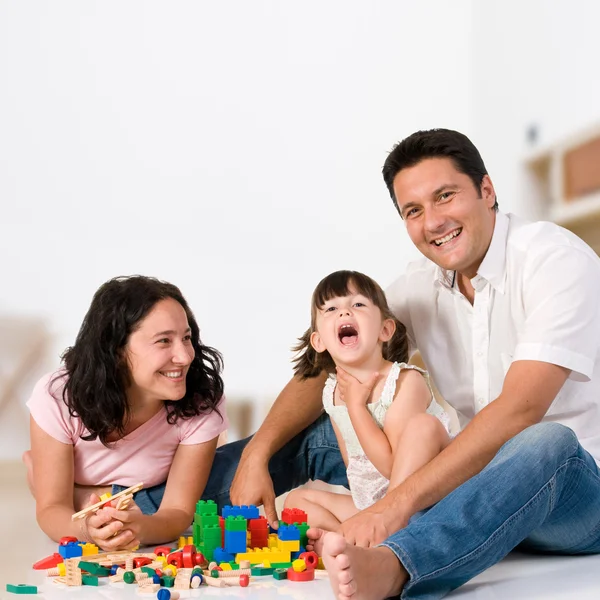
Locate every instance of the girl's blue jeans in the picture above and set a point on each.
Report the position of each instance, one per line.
(541, 493)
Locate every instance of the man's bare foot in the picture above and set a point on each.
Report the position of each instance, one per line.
(26, 458)
(362, 573)
(315, 540)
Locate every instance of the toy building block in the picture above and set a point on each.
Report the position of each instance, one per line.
(293, 515)
(311, 559)
(235, 541)
(236, 524)
(48, 563)
(94, 507)
(21, 588)
(280, 574)
(89, 580)
(288, 533)
(88, 549)
(73, 572)
(296, 555)
(247, 511)
(221, 556)
(307, 575)
(93, 568)
(258, 570)
(70, 550)
(299, 565)
(257, 555)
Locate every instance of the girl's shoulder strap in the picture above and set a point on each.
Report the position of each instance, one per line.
(389, 389)
(328, 391)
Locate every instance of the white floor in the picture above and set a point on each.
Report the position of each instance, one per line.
(518, 577)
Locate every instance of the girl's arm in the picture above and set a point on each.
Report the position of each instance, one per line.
(187, 478)
(412, 397)
(53, 490)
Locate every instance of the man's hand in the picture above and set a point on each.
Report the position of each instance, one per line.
(107, 532)
(351, 391)
(252, 484)
(368, 528)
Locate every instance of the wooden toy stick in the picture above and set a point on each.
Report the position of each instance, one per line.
(94, 507)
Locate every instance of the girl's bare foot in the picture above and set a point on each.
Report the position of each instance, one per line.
(362, 573)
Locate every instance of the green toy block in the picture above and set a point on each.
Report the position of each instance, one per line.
(303, 528)
(89, 580)
(261, 571)
(21, 588)
(206, 507)
(168, 581)
(238, 523)
(93, 568)
(280, 574)
(149, 570)
(281, 565)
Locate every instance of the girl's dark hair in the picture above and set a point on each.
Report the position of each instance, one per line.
(308, 362)
(435, 143)
(96, 374)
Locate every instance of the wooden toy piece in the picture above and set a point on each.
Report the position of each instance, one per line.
(244, 564)
(151, 588)
(215, 581)
(94, 507)
(244, 580)
(124, 502)
(73, 572)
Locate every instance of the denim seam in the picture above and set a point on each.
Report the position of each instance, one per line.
(491, 539)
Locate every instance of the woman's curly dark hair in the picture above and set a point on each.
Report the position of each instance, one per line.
(96, 373)
(308, 362)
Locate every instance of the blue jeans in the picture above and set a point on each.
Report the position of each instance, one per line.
(540, 493)
(312, 454)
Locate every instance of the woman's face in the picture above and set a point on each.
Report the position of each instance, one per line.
(159, 353)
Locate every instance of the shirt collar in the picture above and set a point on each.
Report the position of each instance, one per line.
(493, 266)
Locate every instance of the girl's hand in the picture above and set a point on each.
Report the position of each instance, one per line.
(351, 391)
(107, 533)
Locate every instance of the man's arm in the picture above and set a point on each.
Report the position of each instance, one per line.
(529, 389)
(297, 406)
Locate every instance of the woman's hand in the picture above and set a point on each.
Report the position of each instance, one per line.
(106, 531)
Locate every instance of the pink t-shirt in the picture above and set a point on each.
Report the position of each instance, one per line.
(145, 455)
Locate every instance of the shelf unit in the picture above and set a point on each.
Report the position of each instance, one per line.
(565, 178)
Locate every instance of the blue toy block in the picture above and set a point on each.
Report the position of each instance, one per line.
(247, 511)
(296, 555)
(219, 555)
(288, 533)
(70, 550)
(235, 541)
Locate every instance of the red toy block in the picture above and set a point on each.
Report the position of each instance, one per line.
(143, 560)
(311, 559)
(67, 540)
(162, 550)
(307, 575)
(293, 515)
(49, 562)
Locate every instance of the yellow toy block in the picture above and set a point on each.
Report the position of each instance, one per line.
(226, 566)
(105, 496)
(289, 545)
(89, 549)
(258, 555)
(299, 565)
(273, 540)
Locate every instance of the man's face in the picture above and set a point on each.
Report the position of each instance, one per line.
(447, 218)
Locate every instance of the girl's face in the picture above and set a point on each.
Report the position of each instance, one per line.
(350, 328)
(159, 353)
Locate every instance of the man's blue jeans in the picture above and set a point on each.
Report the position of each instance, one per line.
(312, 454)
(540, 493)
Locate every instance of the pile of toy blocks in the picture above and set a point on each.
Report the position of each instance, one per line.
(224, 550)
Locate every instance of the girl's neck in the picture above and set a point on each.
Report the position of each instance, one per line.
(363, 371)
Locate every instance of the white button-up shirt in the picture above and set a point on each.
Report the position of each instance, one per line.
(537, 295)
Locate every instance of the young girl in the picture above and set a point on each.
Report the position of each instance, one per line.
(382, 410)
(139, 399)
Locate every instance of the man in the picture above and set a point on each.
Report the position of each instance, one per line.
(504, 313)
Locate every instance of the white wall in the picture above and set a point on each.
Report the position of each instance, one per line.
(232, 148)
(536, 63)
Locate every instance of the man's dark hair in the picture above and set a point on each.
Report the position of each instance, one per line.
(435, 143)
